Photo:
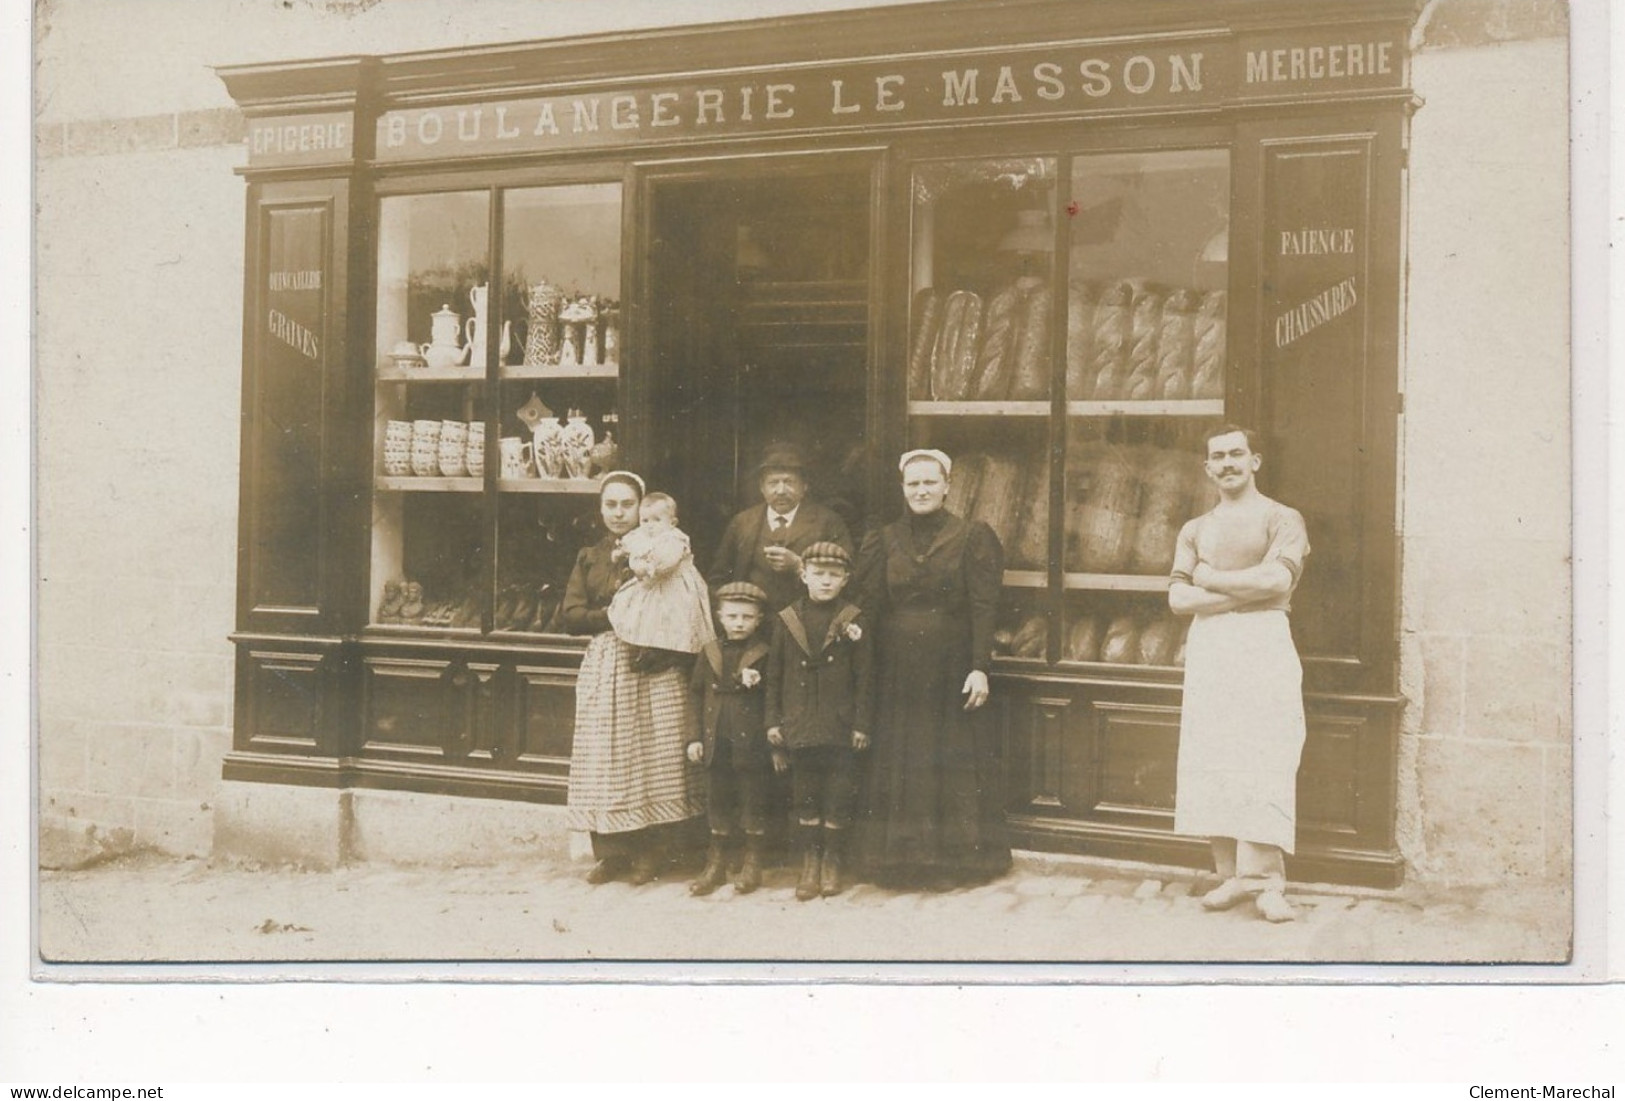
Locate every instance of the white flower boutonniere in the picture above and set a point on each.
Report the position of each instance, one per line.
(853, 631)
(749, 677)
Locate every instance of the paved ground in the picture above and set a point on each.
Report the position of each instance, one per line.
(149, 908)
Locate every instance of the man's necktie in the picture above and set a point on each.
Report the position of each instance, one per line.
(780, 522)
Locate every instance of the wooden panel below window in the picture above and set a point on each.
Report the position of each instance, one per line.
(411, 707)
(547, 716)
(1327, 791)
(1134, 764)
(283, 700)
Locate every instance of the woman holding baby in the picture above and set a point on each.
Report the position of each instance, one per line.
(631, 785)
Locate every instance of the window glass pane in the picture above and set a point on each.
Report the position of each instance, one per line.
(1150, 237)
(428, 549)
(559, 350)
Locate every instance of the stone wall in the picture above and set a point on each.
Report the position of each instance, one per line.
(139, 346)
(1485, 768)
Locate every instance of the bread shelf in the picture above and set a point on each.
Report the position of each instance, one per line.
(548, 485)
(1189, 407)
(979, 408)
(409, 483)
(603, 372)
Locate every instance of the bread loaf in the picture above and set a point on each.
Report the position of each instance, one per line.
(1107, 519)
(1032, 639)
(1032, 350)
(1121, 645)
(1164, 507)
(1159, 639)
(970, 343)
(927, 321)
(1108, 352)
(1031, 550)
(1003, 638)
(1176, 347)
(943, 351)
(996, 362)
(1083, 639)
(998, 497)
(1142, 358)
(1207, 362)
(1080, 331)
(962, 486)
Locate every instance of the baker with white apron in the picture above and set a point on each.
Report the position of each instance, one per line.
(1241, 728)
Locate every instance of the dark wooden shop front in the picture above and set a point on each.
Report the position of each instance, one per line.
(1058, 240)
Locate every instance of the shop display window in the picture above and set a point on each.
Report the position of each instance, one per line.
(559, 355)
(491, 388)
(1075, 419)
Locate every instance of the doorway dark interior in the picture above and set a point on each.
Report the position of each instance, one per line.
(759, 304)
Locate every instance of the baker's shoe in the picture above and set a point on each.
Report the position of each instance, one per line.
(715, 873)
(1273, 906)
(749, 876)
(606, 870)
(1228, 894)
(808, 886)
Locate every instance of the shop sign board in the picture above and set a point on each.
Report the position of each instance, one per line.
(286, 453)
(1184, 71)
(1168, 72)
(1315, 304)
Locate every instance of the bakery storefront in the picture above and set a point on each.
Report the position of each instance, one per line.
(1058, 240)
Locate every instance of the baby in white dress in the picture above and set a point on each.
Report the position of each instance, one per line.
(665, 605)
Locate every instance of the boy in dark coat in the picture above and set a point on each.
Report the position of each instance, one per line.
(728, 685)
(820, 700)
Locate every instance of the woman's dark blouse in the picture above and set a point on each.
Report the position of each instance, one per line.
(938, 562)
(592, 584)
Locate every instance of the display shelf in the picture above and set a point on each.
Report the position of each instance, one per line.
(1025, 579)
(603, 372)
(1189, 407)
(430, 374)
(1116, 582)
(548, 485)
(978, 408)
(411, 483)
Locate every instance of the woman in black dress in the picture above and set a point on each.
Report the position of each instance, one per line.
(931, 582)
(631, 785)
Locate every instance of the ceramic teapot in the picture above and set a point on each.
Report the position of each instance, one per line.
(444, 349)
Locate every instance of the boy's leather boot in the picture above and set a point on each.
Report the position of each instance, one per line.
(829, 879)
(750, 872)
(808, 886)
(715, 872)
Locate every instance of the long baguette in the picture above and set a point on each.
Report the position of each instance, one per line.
(1108, 355)
(1032, 351)
(1208, 330)
(1080, 331)
(1142, 358)
(927, 320)
(944, 354)
(995, 362)
(1175, 347)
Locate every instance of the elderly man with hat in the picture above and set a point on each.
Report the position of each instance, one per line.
(764, 544)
